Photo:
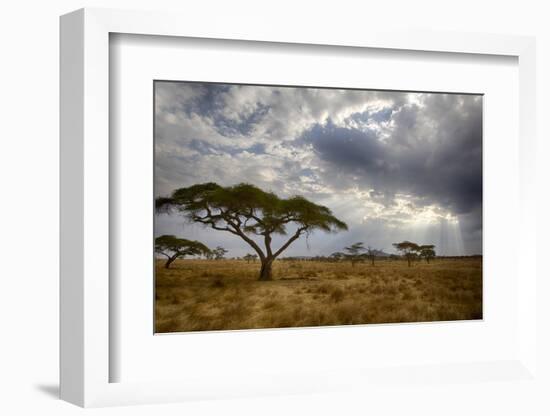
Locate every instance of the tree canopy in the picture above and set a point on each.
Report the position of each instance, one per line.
(173, 248)
(355, 252)
(427, 251)
(219, 253)
(408, 249)
(250, 257)
(411, 250)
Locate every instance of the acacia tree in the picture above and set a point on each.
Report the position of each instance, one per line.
(250, 257)
(355, 252)
(251, 213)
(407, 249)
(219, 253)
(371, 254)
(174, 248)
(427, 251)
(337, 256)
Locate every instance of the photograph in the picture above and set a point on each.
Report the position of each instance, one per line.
(282, 206)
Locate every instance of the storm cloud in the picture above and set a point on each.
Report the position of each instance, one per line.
(433, 152)
(393, 165)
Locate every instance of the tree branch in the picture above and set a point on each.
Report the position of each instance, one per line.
(290, 240)
(208, 221)
(251, 242)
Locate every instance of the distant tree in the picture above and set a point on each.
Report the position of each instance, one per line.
(355, 252)
(247, 211)
(427, 252)
(250, 257)
(219, 253)
(407, 249)
(337, 256)
(174, 248)
(371, 254)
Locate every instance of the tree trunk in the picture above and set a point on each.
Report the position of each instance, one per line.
(170, 261)
(372, 261)
(409, 261)
(265, 271)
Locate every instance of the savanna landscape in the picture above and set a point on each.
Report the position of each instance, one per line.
(206, 295)
(280, 207)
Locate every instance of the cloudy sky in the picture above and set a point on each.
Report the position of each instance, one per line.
(393, 165)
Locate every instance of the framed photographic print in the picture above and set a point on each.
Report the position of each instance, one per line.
(320, 202)
(283, 206)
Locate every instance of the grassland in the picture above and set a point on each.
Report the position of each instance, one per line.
(205, 295)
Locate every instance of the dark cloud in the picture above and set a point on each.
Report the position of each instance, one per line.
(347, 149)
(433, 153)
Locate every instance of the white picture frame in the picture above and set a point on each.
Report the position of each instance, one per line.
(85, 211)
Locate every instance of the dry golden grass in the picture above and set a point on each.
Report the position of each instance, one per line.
(206, 295)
